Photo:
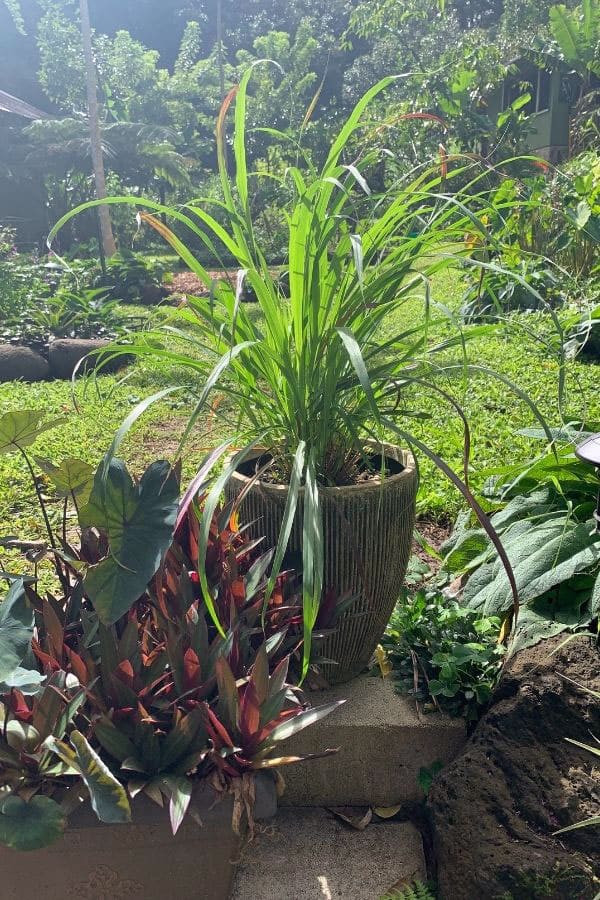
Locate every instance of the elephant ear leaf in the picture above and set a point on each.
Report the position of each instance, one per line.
(20, 428)
(108, 796)
(32, 825)
(16, 629)
(138, 519)
(72, 478)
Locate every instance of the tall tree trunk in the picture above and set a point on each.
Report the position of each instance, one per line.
(106, 232)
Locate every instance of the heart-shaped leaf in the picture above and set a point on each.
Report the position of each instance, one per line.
(20, 428)
(30, 826)
(16, 629)
(72, 478)
(27, 681)
(139, 521)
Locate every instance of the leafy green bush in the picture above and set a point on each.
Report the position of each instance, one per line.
(544, 251)
(21, 282)
(43, 301)
(443, 653)
(132, 278)
(72, 314)
(544, 512)
(521, 284)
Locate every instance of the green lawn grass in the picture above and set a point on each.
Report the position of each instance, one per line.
(87, 427)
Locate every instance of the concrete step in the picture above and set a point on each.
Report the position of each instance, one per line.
(384, 741)
(309, 854)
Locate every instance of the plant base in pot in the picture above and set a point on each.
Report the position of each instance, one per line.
(368, 530)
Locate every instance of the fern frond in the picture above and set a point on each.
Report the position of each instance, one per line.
(417, 891)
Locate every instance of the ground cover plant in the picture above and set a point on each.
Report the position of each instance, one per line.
(117, 683)
(42, 301)
(443, 654)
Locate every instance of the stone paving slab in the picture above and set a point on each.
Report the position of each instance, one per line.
(309, 854)
(384, 740)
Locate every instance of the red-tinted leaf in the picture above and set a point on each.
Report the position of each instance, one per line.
(228, 692)
(124, 672)
(217, 730)
(77, 665)
(54, 630)
(260, 675)
(249, 712)
(19, 708)
(191, 670)
(48, 662)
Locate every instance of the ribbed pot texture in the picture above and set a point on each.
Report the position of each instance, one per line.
(368, 530)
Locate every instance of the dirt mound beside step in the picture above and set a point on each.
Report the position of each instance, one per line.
(495, 808)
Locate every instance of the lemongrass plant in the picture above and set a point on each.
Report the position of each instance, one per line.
(313, 378)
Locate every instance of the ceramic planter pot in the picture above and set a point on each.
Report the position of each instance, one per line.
(368, 530)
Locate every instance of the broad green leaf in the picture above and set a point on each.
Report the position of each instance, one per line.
(520, 102)
(72, 478)
(21, 428)
(139, 521)
(582, 214)
(16, 629)
(21, 736)
(542, 556)
(541, 620)
(472, 546)
(108, 796)
(28, 681)
(30, 826)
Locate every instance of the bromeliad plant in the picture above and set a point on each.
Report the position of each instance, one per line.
(318, 374)
(117, 683)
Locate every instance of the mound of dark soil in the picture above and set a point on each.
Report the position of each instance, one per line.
(495, 808)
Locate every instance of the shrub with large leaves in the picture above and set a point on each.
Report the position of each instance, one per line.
(119, 683)
(544, 517)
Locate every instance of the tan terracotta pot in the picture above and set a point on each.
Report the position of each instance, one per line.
(118, 862)
(368, 532)
(141, 860)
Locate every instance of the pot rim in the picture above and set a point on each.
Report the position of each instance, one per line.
(406, 457)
